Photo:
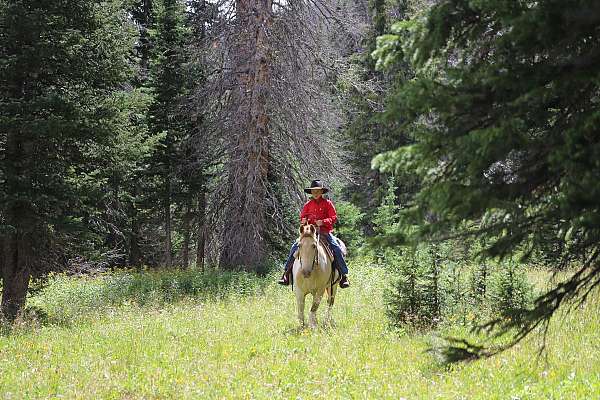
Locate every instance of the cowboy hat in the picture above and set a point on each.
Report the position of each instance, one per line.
(317, 184)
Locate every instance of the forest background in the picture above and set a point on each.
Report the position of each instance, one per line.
(459, 139)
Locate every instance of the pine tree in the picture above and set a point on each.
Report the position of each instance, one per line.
(63, 65)
(197, 171)
(385, 219)
(168, 83)
(504, 111)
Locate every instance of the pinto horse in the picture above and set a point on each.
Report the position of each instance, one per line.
(313, 273)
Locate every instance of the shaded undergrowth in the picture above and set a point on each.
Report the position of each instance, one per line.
(65, 299)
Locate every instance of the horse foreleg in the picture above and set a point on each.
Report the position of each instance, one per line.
(312, 320)
(300, 306)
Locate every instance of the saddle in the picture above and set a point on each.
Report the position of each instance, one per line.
(328, 250)
(330, 255)
(325, 245)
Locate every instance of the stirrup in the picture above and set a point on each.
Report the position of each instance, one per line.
(344, 282)
(285, 279)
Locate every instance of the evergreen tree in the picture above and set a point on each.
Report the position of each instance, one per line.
(201, 154)
(168, 83)
(385, 219)
(141, 12)
(368, 134)
(62, 68)
(504, 111)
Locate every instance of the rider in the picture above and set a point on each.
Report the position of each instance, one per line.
(321, 212)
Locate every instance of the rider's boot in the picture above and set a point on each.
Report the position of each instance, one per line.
(285, 279)
(344, 282)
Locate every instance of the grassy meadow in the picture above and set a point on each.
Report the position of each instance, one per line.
(184, 335)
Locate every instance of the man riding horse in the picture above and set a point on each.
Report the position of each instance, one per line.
(320, 212)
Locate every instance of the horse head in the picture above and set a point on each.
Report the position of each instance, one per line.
(308, 253)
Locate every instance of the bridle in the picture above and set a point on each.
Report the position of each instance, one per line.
(315, 258)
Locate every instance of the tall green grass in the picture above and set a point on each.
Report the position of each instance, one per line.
(157, 335)
(66, 299)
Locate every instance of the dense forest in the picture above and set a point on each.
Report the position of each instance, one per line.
(179, 134)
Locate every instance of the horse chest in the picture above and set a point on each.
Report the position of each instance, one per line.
(315, 283)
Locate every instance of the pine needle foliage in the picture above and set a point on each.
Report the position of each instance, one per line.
(504, 110)
(66, 119)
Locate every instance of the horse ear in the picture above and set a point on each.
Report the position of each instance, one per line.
(301, 229)
(312, 229)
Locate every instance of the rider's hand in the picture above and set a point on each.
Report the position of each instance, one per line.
(319, 222)
(303, 221)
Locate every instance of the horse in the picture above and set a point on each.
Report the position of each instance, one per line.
(313, 273)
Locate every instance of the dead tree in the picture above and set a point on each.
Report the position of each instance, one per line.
(270, 101)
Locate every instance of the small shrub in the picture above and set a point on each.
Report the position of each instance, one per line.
(414, 298)
(456, 305)
(479, 282)
(349, 226)
(435, 286)
(510, 290)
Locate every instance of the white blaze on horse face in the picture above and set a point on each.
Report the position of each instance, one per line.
(308, 253)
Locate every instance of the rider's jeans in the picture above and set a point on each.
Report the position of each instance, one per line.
(337, 253)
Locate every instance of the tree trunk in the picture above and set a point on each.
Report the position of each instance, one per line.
(437, 307)
(168, 233)
(16, 250)
(201, 231)
(16, 272)
(144, 44)
(135, 254)
(247, 221)
(186, 234)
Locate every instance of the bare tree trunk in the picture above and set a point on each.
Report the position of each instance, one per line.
(201, 231)
(186, 234)
(135, 255)
(247, 222)
(168, 240)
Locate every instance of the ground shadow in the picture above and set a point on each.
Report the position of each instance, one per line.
(298, 330)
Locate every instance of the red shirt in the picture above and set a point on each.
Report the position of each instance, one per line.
(321, 209)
